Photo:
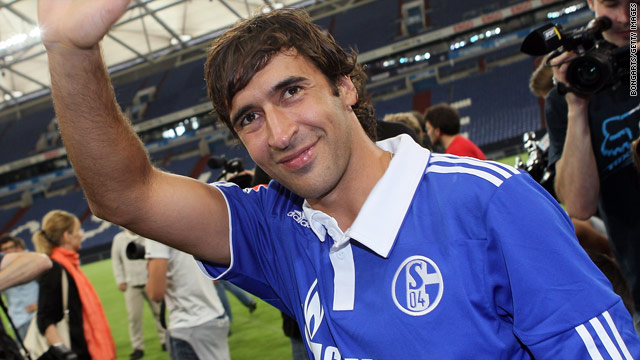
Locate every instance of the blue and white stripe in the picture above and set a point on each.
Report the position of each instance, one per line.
(491, 171)
(615, 348)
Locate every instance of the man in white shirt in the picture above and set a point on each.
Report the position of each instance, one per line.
(131, 277)
(198, 326)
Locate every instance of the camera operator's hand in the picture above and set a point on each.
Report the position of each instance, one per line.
(576, 181)
(559, 65)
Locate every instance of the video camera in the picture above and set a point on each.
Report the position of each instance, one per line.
(135, 251)
(537, 164)
(599, 65)
(230, 168)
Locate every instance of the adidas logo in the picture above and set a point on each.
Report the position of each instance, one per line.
(298, 216)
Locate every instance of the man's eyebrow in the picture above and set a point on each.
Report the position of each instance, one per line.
(243, 110)
(283, 84)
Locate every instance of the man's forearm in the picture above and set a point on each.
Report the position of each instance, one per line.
(107, 155)
(19, 268)
(157, 281)
(577, 183)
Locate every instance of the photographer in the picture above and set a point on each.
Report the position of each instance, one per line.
(590, 139)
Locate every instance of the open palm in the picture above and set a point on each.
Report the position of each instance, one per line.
(77, 23)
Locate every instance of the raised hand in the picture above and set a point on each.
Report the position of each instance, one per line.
(79, 24)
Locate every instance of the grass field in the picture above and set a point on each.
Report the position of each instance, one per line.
(254, 336)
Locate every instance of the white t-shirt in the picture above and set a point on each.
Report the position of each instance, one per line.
(190, 296)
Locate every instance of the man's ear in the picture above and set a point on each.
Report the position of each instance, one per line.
(348, 91)
(590, 3)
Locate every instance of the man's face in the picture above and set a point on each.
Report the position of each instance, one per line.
(294, 126)
(10, 247)
(618, 12)
(433, 133)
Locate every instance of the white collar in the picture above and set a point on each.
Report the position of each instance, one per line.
(382, 214)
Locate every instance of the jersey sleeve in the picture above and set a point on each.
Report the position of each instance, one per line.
(254, 257)
(560, 303)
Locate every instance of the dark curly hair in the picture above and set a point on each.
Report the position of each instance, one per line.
(444, 117)
(241, 52)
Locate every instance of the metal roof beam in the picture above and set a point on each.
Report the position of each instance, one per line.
(23, 17)
(7, 91)
(27, 77)
(231, 9)
(162, 23)
(6, 5)
(269, 4)
(146, 57)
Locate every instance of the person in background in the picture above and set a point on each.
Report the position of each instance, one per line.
(443, 128)
(591, 232)
(22, 300)
(17, 268)
(61, 237)
(408, 119)
(425, 140)
(292, 331)
(541, 80)
(198, 326)
(131, 278)
(222, 286)
(590, 136)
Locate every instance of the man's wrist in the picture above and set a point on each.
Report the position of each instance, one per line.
(576, 104)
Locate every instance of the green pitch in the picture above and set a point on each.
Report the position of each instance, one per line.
(253, 336)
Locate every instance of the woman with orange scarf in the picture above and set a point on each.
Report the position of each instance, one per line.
(61, 237)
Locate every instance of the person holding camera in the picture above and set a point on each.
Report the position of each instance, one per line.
(131, 278)
(378, 250)
(590, 138)
(198, 325)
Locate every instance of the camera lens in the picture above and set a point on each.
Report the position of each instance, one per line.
(588, 73)
(135, 251)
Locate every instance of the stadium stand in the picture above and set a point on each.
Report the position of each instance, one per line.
(179, 89)
(377, 19)
(18, 138)
(490, 87)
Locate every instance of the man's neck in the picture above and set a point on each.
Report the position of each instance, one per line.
(446, 140)
(367, 165)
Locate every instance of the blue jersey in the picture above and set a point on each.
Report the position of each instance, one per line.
(449, 258)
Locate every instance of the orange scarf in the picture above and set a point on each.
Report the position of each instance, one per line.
(96, 328)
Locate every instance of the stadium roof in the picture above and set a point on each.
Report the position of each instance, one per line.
(149, 31)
